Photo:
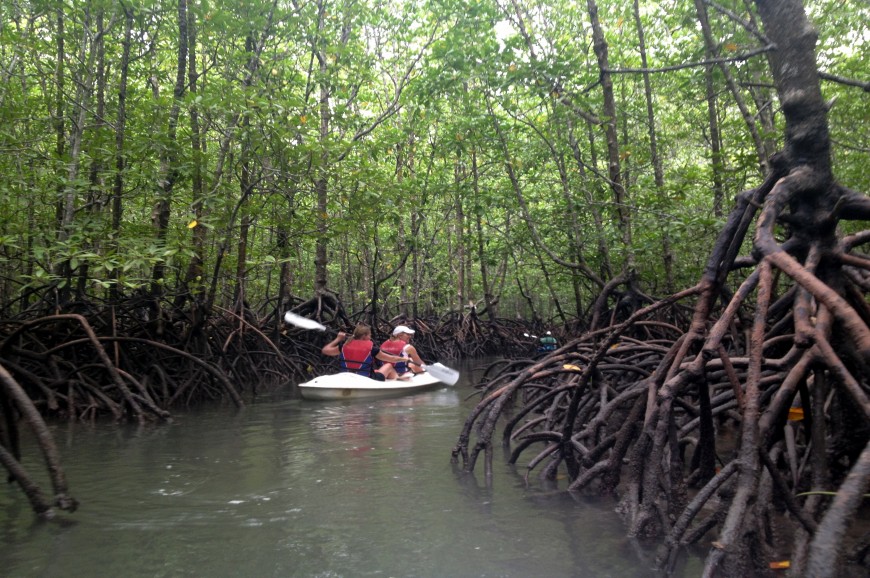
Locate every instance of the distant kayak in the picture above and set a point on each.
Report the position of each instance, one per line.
(354, 386)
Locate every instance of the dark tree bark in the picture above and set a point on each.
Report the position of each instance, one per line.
(45, 441)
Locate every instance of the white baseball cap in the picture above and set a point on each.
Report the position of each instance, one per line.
(403, 329)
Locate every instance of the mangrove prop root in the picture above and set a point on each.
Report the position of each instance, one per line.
(790, 346)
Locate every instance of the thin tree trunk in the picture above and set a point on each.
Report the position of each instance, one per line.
(411, 275)
(246, 185)
(321, 182)
(488, 297)
(620, 194)
(761, 92)
(193, 283)
(84, 78)
(321, 190)
(554, 297)
(509, 163)
(748, 117)
(120, 141)
(658, 172)
(717, 160)
(59, 109)
(96, 187)
(168, 163)
(462, 291)
(601, 243)
(403, 241)
(252, 67)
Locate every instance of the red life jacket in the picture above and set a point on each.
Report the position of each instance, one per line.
(356, 356)
(395, 348)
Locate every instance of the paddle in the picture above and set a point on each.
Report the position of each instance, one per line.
(442, 373)
(438, 370)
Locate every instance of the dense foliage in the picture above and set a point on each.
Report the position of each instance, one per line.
(432, 151)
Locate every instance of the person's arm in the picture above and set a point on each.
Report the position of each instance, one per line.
(384, 356)
(332, 348)
(417, 366)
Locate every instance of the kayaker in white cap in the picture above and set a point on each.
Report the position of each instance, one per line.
(399, 344)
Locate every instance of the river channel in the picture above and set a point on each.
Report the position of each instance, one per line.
(287, 487)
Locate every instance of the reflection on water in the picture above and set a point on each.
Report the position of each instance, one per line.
(304, 488)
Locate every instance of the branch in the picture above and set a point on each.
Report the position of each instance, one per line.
(738, 58)
(394, 106)
(865, 86)
(556, 86)
(24, 404)
(748, 26)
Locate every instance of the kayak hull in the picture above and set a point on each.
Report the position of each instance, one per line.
(355, 386)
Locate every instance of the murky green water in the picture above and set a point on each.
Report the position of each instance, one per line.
(298, 488)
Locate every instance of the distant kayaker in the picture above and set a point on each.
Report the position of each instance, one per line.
(359, 353)
(548, 342)
(399, 344)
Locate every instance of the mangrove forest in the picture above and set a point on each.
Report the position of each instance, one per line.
(673, 192)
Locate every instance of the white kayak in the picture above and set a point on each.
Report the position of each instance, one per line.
(354, 386)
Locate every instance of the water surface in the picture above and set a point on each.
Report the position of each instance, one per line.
(300, 488)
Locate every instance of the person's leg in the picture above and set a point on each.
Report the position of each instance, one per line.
(388, 371)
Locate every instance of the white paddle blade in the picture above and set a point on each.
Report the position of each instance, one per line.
(303, 322)
(443, 373)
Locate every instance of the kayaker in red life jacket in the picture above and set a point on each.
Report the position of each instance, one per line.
(399, 344)
(358, 354)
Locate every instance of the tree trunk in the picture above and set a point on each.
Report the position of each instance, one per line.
(168, 164)
(402, 305)
(614, 172)
(321, 190)
(810, 194)
(716, 158)
(748, 117)
(321, 182)
(463, 293)
(59, 114)
(194, 287)
(120, 141)
(84, 78)
(658, 172)
(602, 248)
(605, 266)
(95, 201)
(246, 186)
(251, 69)
(488, 297)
